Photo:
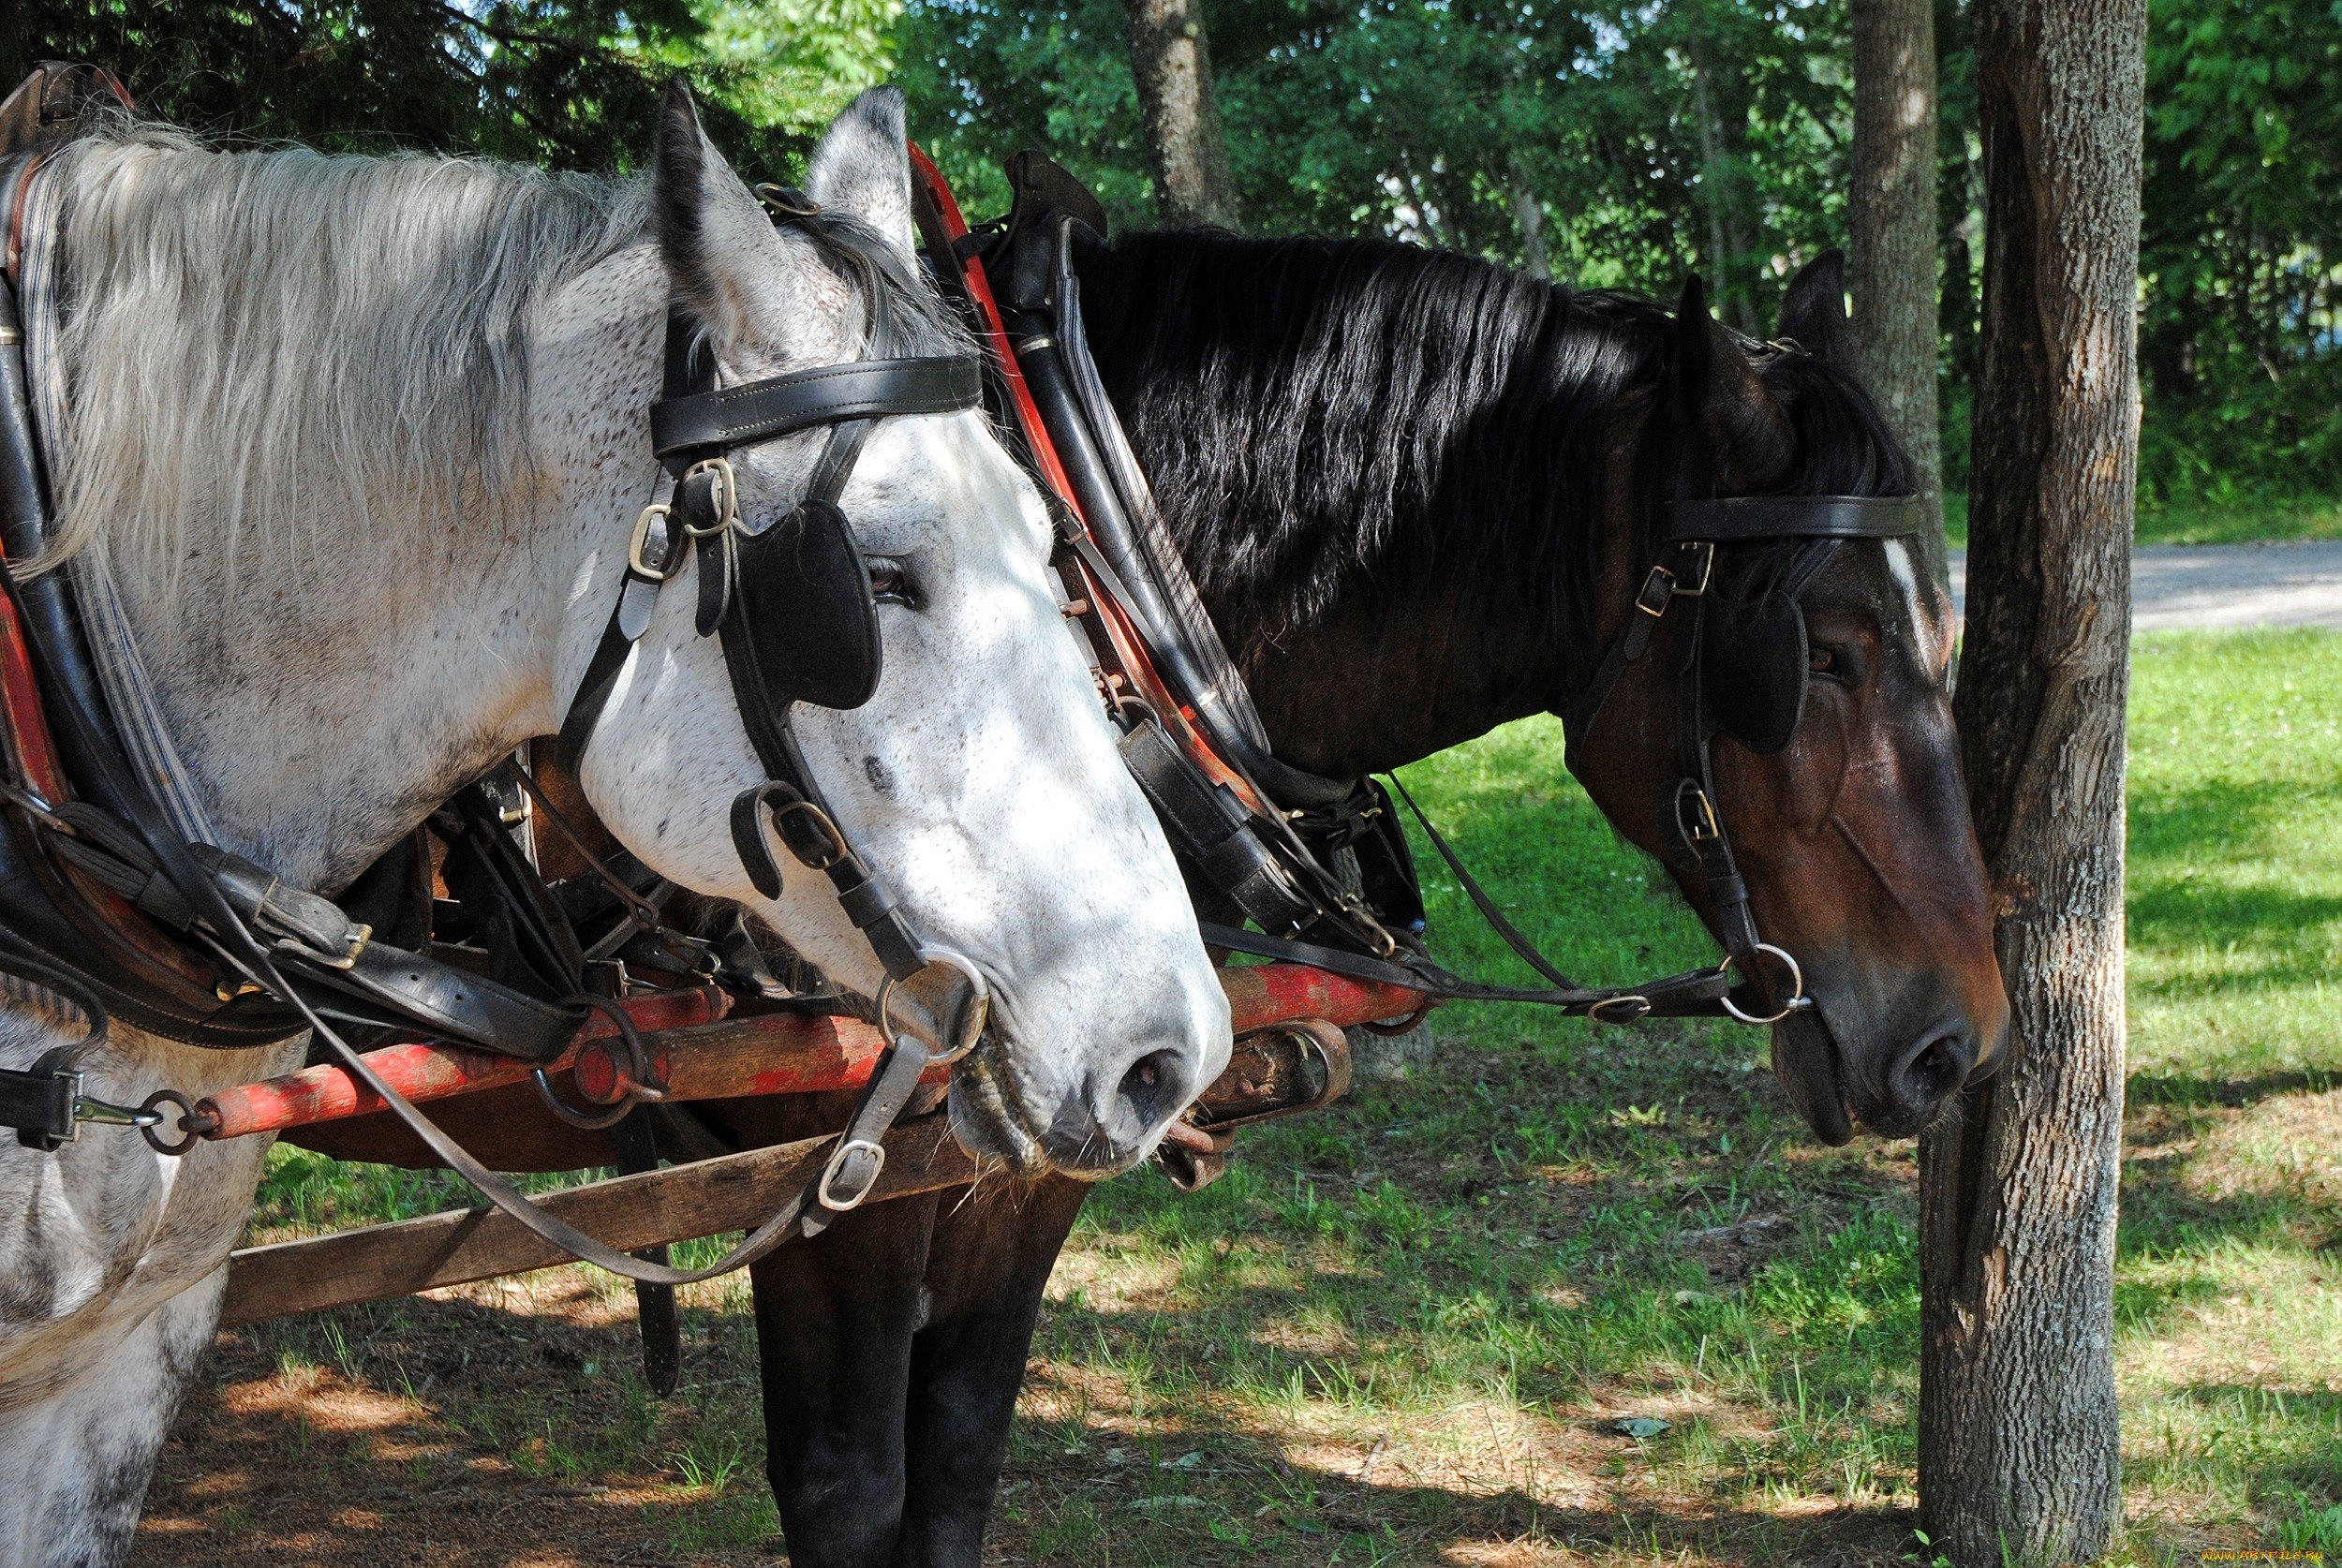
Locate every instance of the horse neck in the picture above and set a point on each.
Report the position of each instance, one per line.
(326, 700)
(1422, 647)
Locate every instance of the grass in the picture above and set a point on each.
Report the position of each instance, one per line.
(1400, 1332)
(2201, 523)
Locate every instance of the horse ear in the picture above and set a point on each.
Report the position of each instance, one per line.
(1812, 313)
(1717, 386)
(712, 234)
(862, 168)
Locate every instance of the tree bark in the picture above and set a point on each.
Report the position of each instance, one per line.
(1892, 206)
(2019, 1450)
(1171, 61)
(1529, 213)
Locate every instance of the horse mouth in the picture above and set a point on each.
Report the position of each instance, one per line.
(987, 1114)
(1805, 1061)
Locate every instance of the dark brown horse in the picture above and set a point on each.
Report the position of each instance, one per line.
(1418, 493)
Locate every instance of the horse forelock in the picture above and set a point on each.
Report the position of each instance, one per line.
(259, 339)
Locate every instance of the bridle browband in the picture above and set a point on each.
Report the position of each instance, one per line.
(1692, 527)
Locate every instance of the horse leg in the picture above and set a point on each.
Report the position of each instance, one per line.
(987, 1263)
(78, 1459)
(834, 1322)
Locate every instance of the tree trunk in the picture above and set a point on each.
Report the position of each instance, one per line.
(2019, 1452)
(1529, 213)
(1171, 61)
(1892, 205)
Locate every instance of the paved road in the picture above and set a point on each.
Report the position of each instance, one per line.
(2293, 583)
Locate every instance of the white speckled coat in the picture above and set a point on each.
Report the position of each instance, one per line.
(374, 437)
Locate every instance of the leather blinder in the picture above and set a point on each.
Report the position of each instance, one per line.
(801, 594)
(1754, 665)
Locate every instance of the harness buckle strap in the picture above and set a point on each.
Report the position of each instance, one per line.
(867, 1159)
(657, 553)
(1657, 593)
(1699, 555)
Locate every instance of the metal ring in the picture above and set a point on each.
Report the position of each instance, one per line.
(1797, 998)
(638, 1062)
(980, 1008)
(193, 1123)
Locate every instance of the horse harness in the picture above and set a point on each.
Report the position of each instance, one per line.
(105, 908)
(1265, 834)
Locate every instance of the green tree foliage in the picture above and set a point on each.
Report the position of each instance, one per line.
(573, 84)
(1640, 142)
(1628, 143)
(2242, 248)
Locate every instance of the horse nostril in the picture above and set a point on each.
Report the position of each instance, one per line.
(1143, 1085)
(1933, 1070)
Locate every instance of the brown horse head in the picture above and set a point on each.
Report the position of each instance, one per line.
(1837, 770)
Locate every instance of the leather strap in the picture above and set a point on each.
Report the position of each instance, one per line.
(760, 410)
(1733, 519)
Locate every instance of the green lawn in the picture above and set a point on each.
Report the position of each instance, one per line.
(1397, 1333)
(2194, 523)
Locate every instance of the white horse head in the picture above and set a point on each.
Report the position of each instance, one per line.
(406, 504)
(362, 442)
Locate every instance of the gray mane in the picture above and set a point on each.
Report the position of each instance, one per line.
(257, 338)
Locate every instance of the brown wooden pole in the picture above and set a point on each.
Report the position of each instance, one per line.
(2019, 1447)
(730, 1194)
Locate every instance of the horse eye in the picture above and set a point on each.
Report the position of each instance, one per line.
(1822, 661)
(890, 584)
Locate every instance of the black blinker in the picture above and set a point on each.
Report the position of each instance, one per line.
(1755, 668)
(802, 595)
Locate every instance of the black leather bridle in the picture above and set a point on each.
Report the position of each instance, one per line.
(793, 608)
(1694, 523)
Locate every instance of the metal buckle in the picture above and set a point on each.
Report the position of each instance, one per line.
(1656, 590)
(835, 851)
(359, 934)
(727, 495)
(821, 1189)
(1797, 1002)
(669, 569)
(1705, 554)
(1705, 828)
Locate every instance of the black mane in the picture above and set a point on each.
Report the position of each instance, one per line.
(1322, 415)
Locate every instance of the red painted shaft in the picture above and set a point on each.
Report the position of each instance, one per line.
(427, 1072)
(783, 1053)
(697, 1053)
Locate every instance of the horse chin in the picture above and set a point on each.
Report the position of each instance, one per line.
(1805, 1059)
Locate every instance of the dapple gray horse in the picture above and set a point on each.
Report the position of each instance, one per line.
(360, 442)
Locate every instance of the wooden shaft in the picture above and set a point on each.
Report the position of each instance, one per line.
(696, 1054)
(428, 1072)
(683, 1202)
